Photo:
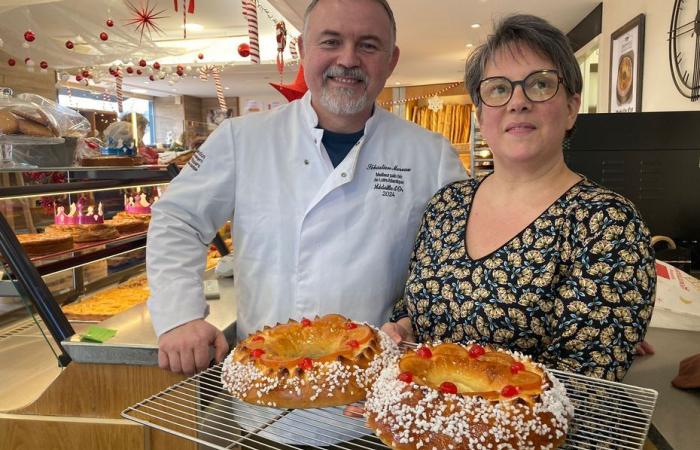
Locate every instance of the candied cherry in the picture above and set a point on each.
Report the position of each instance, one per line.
(510, 391)
(476, 350)
(448, 388)
(353, 343)
(424, 352)
(516, 367)
(306, 363)
(305, 322)
(350, 326)
(406, 377)
(258, 339)
(257, 353)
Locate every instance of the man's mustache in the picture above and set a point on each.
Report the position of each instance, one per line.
(344, 72)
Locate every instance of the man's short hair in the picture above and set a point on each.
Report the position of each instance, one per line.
(384, 4)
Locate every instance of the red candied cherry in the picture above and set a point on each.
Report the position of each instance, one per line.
(424, 352)
(350, 326)
(476, 350)
(258, 339)
(306, 363)
(448, 388)
(257, 353)
(516, 367)
(305, 322)
(510, 391)
(353, 343)
(406, 377)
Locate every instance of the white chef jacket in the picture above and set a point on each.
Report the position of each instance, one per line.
(309, 239)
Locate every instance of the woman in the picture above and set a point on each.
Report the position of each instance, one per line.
(535, 257)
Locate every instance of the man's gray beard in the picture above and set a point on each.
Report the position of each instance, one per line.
(340, 100)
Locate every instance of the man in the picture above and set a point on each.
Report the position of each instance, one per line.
(326, 195)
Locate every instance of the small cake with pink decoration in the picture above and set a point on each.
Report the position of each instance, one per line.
(85, 224)
(137, 206)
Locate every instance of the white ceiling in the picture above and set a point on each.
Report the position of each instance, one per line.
(432, 36)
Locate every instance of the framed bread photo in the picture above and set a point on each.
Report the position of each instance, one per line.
(626, 66)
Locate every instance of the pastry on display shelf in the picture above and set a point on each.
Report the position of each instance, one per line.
(86, 225)
(28, 120)
(94, 161)
(137, 206)
(40, 244)
(328, 361)
(125, 225)
(107, 303)
(468, 397)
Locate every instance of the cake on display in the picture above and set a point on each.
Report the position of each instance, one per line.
(137, 206)
(85, 224)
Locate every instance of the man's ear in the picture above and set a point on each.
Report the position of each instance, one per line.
(300, 46)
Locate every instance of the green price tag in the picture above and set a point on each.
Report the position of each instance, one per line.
(97, 334)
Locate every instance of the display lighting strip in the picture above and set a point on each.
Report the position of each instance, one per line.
(420, 97)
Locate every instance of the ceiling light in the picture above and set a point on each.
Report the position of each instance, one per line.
(138, 91)
(476, 25)
(227, 88)
(397, 83)
(193, 27)
(469, 45)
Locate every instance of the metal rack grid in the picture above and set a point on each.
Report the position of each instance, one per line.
(608, 415)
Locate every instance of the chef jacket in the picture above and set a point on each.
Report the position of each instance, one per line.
(309, 239)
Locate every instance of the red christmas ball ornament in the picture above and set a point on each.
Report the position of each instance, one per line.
(11, 62)
(143, 63)
(152, 78)
(244, 50)
(110, 23)
(29, 36)
(156, 65)
(44, 65)
(85, 73)
(70, 45)
(139, 72)
(200, 56)
(27, 60)
(180, 72)
(104, 36)
(129, 70)
(78, 77)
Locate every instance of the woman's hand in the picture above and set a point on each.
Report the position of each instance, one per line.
(400, 331)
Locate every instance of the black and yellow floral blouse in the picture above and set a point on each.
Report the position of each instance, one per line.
(574, 289)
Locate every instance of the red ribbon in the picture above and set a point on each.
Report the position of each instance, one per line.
(190, 7)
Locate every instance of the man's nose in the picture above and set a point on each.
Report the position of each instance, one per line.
(348, 56)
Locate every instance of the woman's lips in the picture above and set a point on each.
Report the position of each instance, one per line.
(520, 128)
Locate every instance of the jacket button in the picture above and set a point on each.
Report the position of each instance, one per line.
(306, 161)
(343, 174)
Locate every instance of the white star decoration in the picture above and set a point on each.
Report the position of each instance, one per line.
(435, 103)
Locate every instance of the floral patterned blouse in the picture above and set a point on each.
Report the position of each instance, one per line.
(574, 289)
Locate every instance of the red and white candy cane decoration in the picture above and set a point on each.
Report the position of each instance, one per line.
(293, 47)
(185, 10)
(281, 44)
(120, 94)
(204, 72)
(250, 12)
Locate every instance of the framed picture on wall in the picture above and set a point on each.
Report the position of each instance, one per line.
(217, 115)
(626, 66)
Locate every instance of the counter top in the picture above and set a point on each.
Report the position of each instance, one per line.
(675, 420)
(136, 342)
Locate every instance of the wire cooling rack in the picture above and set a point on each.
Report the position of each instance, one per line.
(608, 415)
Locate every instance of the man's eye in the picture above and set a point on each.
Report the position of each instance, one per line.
(368, 46)
(329, 43)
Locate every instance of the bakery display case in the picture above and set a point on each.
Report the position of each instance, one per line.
(73, 249)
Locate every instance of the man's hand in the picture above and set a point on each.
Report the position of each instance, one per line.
(185, 349)
(400, 331)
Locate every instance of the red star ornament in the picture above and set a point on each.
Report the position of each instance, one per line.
(293, 91)
(144, 18)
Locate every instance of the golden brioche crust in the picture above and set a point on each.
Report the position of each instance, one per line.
(38, 244)
(468, 397)
(328, 361)
(86, 233)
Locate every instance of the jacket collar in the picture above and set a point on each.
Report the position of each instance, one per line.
(311, 118)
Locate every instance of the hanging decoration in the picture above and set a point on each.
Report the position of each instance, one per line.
(281, 35)
(43, 65)
(29, 36)
(109, 23)
(293, 47)
(70, 45)
(11, 62)
(185, 10)
(204, 73)
(250, 12)
(120, 93)
(145, 18)
(104, 36)
(293, 91)
(244, 50)
(435, 103)
(420, 97)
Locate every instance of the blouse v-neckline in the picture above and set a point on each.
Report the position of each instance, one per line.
(468, 211)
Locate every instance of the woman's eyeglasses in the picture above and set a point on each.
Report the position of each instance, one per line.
(539, 86)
